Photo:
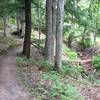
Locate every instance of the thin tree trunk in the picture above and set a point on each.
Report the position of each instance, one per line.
(70, 39)
(39, 23)
(60, 13)
(18, 22)
(94, 38)
(83, 38)
(27, 39)
(22, 33)
(17, 19)
(5, 25)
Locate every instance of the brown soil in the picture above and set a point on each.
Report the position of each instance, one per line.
(10, 88)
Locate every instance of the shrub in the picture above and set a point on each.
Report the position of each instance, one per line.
(61, 88)
(72, 70)
(1, 26)
(70, 53)
(45, 65)
(86, 43)
(96, 62)
(66, 91)
(23, 61)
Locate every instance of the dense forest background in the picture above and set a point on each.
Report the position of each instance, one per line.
(59, 42)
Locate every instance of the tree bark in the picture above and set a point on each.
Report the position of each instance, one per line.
(27, 39)
(17, 19)
(60, 13)
(18, 22)
(22, 22)
(48, 43)
(54, 17)
(5, 25)
(70, 39)
(39, 22)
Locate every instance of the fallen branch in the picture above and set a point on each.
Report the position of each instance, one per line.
(78, 61)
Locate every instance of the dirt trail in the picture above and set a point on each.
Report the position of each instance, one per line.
(10, 88)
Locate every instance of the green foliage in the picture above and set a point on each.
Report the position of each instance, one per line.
(23, 61)
(97, 81)
(70, 53)
(72, 70)
(38, 14)
(61, 89)
(12, 43)
(45, 65)
(81, 14)
(86, 43)
(1, 25)
(66, 91)
(96, 62)
(51, 84)
(12, 21)
(6, 43)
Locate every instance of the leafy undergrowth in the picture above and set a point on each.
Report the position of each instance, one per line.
(71, 54)
(6, 43)
(44, 83)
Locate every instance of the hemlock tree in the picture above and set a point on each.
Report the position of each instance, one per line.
(27, 39)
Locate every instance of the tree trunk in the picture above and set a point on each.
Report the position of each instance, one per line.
(83, 39)
(54, 17)
(39, 22)
(27, 39)
(22, 33)
(5, 25)
(94, 39)
(60, 14)
(17, 19)
(48, 43)
(70, 39)
(18, 22)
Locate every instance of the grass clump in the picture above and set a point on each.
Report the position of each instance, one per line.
(23, 61)
(71, 54)
(72, 70)
(59, 88)
(45, 65)
(96, 62)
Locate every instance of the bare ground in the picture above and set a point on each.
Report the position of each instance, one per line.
(10, 88)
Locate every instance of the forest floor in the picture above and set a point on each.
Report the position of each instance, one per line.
(39, 82)
(37, 79)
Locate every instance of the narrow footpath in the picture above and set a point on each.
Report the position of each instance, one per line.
(10, 88)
